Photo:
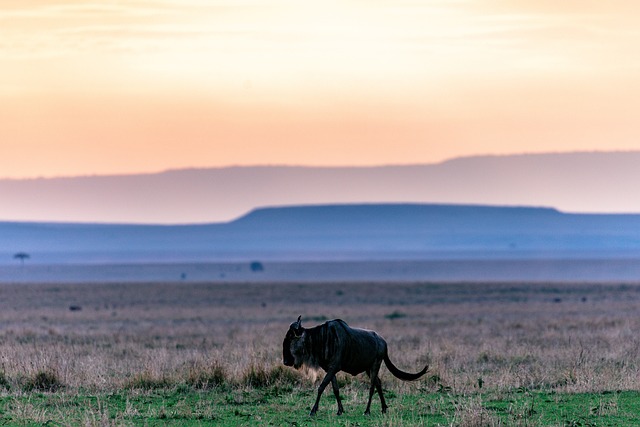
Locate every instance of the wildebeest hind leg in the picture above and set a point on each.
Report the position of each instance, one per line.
(371, 390)
(336, 392)
(325, 381)
(382, 402)
(373, 374)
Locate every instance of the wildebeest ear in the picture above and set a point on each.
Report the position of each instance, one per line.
(299, 322)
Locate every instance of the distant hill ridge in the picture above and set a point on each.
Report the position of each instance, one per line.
(379, 210)
(366, 231)
(570, 182)
(393, 217)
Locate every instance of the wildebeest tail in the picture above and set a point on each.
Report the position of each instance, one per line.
(404, 376)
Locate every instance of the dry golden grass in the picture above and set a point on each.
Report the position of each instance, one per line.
(566, 337)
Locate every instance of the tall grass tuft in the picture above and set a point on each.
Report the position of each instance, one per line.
(283, 376)
(46, 380)
(146, 380)
(256, 376)
(471, 413)
(5, 383)
(259, 376)
(208, 377)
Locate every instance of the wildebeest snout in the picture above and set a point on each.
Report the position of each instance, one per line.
(287, 361)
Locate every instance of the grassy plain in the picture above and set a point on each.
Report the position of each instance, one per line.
(210, 354)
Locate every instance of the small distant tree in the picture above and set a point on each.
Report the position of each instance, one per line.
(21, 256)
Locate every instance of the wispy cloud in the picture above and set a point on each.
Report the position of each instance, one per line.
(489, 33)
(57, 28)
(408, 45)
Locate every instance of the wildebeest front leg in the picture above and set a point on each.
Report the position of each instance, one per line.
(325, 381)
(336, 392)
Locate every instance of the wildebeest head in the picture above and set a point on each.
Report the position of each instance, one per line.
(292, 346)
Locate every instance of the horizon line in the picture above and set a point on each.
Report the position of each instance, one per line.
(313, 205)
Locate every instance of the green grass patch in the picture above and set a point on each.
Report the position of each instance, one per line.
(185, 406)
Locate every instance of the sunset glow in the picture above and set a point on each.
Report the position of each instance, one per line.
(111, 87)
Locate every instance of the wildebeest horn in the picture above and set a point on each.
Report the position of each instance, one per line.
(297, 326)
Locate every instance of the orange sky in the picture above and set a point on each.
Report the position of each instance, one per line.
(102, 87)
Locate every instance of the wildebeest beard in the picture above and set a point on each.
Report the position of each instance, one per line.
(334, 346)
(301, 356)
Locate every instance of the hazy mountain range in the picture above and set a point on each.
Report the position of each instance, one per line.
(577, 182)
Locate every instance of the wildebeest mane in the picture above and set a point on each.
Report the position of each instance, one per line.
(323, 343)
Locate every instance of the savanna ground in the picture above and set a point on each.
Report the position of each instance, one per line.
(190, 354)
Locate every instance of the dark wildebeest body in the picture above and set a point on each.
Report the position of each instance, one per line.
(334, 346)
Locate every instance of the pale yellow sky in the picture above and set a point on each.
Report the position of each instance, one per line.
(102, 87)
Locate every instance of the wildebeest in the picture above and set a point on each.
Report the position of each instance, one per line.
(334, 346)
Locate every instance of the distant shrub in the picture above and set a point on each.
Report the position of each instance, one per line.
(257, 266)
(395, 315)
(43, 380)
